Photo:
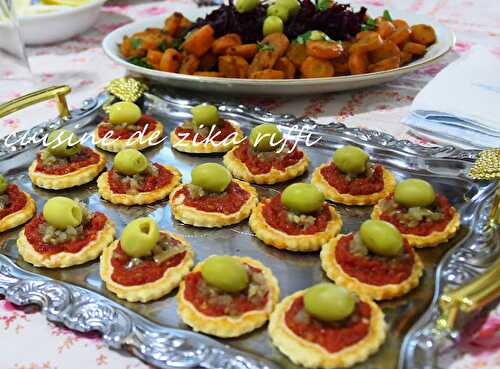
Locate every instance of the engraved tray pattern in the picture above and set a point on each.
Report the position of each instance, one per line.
(76, 298)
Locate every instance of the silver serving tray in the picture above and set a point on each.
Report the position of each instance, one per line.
(153, 332)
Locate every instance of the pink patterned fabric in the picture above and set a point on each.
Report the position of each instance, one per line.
(28, 341)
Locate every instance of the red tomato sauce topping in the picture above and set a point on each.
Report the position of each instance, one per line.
(375, 270)
(239, 302)
(35, 238)
(228, 202)
(145, 272)
(258, 166)
(17, 201)
(333, 337)
(219, 133)
(424, 228)
(84, 158)
(124, 133)
(358, 186)
(275, 214)
(151, 182)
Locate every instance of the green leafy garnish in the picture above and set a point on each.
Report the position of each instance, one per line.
(135, 42)
(141, 62)
(264, 47)
(163, 45)
(323, 5)
(176, 44)
(387, 15)
(312, 35)
(369, 25)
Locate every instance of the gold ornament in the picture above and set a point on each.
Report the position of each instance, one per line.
(487, 165)
(125, 89)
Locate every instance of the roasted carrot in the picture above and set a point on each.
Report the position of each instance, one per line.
(170, 61)
(221, 44)
(153, 58)
(189, 64)
(323, 49)
(233, 66)
(423, 34)
(386, 64)
(200, 41)
(268, 74)
(415, 48)
(316, 68)
(358, 63)
(296, 53)
(209, 74)
(246, 51)
(286, 66)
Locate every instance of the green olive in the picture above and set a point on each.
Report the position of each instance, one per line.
(63, 143)
(350, 159)
(414, 192)
(317, 36)
(265, 137)
(205, 114)
(225, 273)
(381, 238)
(302, 198)
(130, 162)
(244, 6)
(279, 11)
(62, 212)
(211, 177)
(329, 302)
(139, 237)
(272, 24)
(293, 6)
(124, 112)
(3, 184)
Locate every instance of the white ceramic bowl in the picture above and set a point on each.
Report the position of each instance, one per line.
(445, 41)
(46, 28)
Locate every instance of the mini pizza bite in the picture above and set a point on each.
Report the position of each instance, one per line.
(299, 219)
(423, 217)
(227, 296)
(65, 163)
(351, 179)
(66, 233)
(375, 261)
(327, 326)
(146, 263)
(127, 128)
(16, 206)
(265, 158)
(206, 132)
(134, 180)
(213, 198)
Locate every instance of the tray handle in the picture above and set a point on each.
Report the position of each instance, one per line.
(57, 92)
(477, 293)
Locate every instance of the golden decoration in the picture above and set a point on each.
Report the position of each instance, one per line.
(487, 166)
(126, 89)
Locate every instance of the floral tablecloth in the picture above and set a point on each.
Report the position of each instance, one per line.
(27, 340)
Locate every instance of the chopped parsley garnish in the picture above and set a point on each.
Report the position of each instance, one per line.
(312, 35)
(369, 25)
(264, 47)
(387, 15)
(163, 45)
(176, 44)
(141, 62)
(135, 42)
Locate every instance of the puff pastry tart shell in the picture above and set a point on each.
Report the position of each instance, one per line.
(199, 218)
(430, 240)
(210, 147)
(66, 259)
(312, 355)
(138, 143)
(229, 326)
(148, 291)
(332, 194)
(140, 198)
(335, 272)
(281, 240)
(240, 170)
(72, 179)
(19, 217)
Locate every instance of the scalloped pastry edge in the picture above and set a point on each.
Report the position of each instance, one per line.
(312, 355)
(435, 238)
(19, 217)
(281, 240)
(198, 218)
(119, 144)
(335, 272)
(89, 252)
(240, 170)
(73, 179)
(188, 146)
(224, 326)
(332, 194)
(148, 291)
(140, 198)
